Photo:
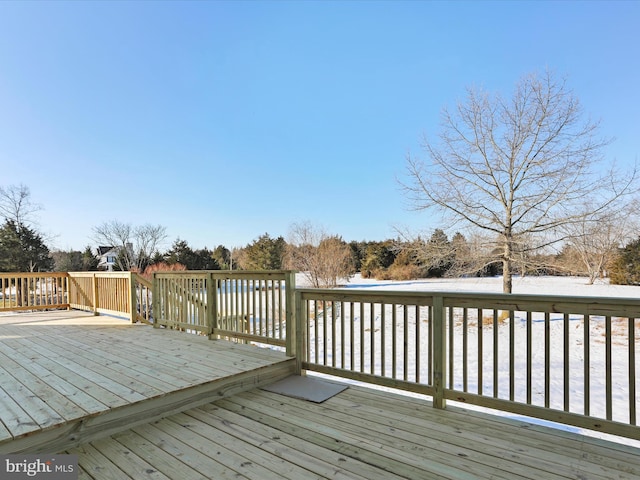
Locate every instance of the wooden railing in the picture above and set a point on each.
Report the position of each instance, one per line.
(99, 292)
(248, 306)
(144, 298)
(113, 293)
(572, 360)
(33, 291)
(537, 356)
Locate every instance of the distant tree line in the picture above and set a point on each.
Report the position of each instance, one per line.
(521, 180)
(326, 259)
(330, 259)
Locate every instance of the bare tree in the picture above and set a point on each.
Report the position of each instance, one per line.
(472, 255)
(323, 259)
(594, 241)
(16, 204)
(137, 244)
(516, 168)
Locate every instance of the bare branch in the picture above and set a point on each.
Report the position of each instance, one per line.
(518, 169)
(323, 259)
(16, 204)
(136, 245)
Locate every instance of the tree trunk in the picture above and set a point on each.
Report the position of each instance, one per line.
(507, 265)
(507, 282)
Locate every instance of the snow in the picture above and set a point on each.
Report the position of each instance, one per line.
(575, 286)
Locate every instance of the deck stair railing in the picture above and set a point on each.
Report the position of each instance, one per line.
(533, 355)
(144, 298)
(112, 293)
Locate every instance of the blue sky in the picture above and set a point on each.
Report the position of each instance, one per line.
(226, 120)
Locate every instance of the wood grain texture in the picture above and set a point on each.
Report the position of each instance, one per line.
(361, 433)
(68, 378)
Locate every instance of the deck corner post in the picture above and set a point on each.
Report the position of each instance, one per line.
(133, 297)
(300, 335)
(95, 293)
(212, 305)
(439, 352)
(65, 285)
(291, 318)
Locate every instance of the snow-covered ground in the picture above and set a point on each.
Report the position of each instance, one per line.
(529, 285)
(575, 286)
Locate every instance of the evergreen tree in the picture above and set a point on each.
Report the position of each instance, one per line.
(438, 254)
(357, 254)
(377, 256)
(180, 252)
(22, 249)
(89, 260)
(265, 253)
(222, 256)
(461, 252)
(625, 269)
(203, 260)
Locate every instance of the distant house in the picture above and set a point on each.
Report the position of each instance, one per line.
(107, 257)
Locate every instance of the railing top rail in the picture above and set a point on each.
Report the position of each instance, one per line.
(509, 297)
(258, 274)
(33, 274)
(184, 273)
(143, 281)
(626, 306)
(100, 274)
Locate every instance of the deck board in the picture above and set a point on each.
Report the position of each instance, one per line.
(360, 433)
(302, 451)
(531, 439)
(68, 377)
(372, 439)
(141, 403)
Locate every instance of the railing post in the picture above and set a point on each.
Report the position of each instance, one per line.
(212, 305)
(65, 285)
(439, 352)
(301, 333)
(290, 314)
(155, 298)
(95, 294)
(133, 297)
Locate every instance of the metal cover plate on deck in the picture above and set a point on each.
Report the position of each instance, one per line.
(305, 388)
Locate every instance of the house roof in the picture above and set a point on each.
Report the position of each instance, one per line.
(104, 249)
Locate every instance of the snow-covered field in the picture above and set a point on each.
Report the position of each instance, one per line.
(574, 286)
(528, 285)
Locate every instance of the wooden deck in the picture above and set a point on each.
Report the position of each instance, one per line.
(136, 402)
(359, 434)
(68, 377)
